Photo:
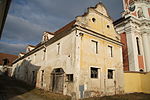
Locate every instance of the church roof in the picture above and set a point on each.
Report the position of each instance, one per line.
(66, 27)
(120, 20)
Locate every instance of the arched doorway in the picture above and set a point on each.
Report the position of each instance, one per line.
(57, 80)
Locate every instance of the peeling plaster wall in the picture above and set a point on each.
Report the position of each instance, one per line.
(76, 56)
(101, 85)
(48, 61)
(103, 33)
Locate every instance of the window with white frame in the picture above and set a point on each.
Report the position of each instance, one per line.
(42, 78)
(94, 72)
(138, 45)
(58, 48)
(95, 46)
(110, 74)
(44, 53)
(69, 77)
(110, 50)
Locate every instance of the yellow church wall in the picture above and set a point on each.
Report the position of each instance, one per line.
(136, 82)
(146, 82)
(132, 82)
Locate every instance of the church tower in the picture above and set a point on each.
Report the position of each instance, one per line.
(134, 28)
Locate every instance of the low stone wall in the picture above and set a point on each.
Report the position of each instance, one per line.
(136, 82)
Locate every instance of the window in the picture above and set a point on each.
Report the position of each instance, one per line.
(42, 78)
(69, 78)
(58, 48)
(94, 72)
(5, 61)
(33, 76)
(45, 37)
(44, 51)
(95, 46)
(138, 47)
(110, 51)
(110, 74)
(18, 68)
(34, 57)
(28, 50)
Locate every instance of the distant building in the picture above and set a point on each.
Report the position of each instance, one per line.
(82, 59)
(4, 6)
(134, 28)
(6, 61)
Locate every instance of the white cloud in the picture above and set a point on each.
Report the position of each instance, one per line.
(20, 30)
(11, 48)
(27, 19)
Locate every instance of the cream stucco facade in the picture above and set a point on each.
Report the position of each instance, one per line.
(82, 59)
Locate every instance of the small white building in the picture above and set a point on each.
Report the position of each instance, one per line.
(6, 62)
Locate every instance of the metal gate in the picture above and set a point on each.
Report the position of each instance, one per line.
(57, 80)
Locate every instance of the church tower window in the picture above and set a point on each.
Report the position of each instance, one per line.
(138, 46)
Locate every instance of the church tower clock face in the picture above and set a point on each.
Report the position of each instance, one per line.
(132, 7)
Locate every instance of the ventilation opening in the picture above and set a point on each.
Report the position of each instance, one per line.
(108, 26)
(93, 19)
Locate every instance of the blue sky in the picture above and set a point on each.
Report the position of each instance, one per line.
(28, 19)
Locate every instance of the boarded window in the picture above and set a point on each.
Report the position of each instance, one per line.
(110, 50)
(95, 46)
(94, 72)
(69, 78)
(110, 74)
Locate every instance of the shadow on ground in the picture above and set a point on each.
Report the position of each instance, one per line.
(10, 87)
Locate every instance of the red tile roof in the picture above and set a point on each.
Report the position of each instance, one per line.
(51, 33)
(32, 46)
(22, 53)
(10, 57)
(68, 26)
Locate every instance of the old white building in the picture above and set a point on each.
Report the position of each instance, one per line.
(82, 59)
(134, 27)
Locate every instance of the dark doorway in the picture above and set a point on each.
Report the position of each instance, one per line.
(57, 80)
(33, 78)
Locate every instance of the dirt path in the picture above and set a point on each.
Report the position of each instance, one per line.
(11, 89)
